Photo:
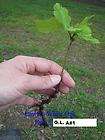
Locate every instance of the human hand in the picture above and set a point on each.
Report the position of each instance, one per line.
(22, 74)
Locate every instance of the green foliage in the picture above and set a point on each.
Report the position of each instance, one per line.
(85, 32)
(62, 20)
(62, 16)
(46, 26)
(82, 30)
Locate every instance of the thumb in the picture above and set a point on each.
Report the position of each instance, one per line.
(41, 82)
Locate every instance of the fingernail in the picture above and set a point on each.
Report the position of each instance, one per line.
(55, 79)
(69, 81)
(65, 90)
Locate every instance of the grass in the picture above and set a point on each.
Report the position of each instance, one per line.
(19, 35)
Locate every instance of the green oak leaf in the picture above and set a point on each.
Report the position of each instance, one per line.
(61, 14)
(85, 31)
(74, 30)
(47, 26)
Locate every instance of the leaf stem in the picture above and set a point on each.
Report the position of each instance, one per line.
(71, 37)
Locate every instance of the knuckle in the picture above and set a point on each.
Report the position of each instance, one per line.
(19, 57)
